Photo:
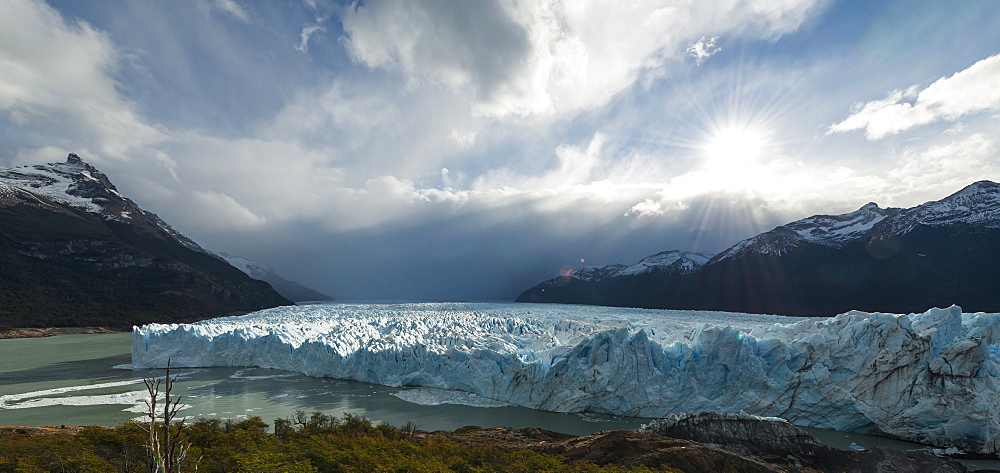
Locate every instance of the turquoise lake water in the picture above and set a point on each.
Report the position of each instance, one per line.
(72, 380)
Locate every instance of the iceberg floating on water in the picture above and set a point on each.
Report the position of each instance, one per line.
(929, 377)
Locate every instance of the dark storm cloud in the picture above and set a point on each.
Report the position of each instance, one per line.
(475, 44)
(495, 254)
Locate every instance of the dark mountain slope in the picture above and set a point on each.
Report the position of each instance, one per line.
(927, 267)
(95, 258)
(643, 284)
(889, 260)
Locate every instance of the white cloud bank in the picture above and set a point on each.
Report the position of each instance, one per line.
(973, 90)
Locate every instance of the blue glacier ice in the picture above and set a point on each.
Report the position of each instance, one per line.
(929, 377)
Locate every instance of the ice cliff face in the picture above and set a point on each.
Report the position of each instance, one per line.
(927, 377)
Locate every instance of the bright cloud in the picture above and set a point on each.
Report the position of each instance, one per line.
(703, 49)
(547, 57)
(929, 173)
(307, 33)
(967, 92)
(57, 77)
(226, 210)
(646, 208)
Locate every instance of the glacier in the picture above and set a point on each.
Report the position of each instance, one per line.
(929, 377)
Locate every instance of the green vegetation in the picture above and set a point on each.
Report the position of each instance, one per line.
(304, 443)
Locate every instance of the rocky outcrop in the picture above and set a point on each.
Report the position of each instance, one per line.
(778, 442)
(619, 447)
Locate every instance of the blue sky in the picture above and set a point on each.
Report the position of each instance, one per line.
(434, 149)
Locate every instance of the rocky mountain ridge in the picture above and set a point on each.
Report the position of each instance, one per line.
(74, 251)
(291, 290)
(671, 261)
(977, 204)
(81, 185)
(875, 259)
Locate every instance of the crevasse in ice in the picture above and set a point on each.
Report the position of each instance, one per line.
(929, 377)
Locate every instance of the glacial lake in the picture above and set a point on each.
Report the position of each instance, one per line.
(73, 380)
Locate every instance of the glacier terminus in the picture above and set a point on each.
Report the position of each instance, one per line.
(929, 377)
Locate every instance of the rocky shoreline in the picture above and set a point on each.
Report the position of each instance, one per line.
(53, 331)
(710, 444)
(36, 431)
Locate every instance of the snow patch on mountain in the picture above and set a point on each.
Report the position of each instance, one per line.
(679, 261)
(673, 261)
(10, 195)
(79, 184)
(596, 273)
(976, 204)
(59, 181)
(836, 230)
(290, 290)
(929, 377)
(254, 269)
(828, 230)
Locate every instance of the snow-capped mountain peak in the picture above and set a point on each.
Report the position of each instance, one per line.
(77, 183)
(835, 230)
(673, 261)
(976, 204)
(596, 273)
(680, 261)
(74, 182)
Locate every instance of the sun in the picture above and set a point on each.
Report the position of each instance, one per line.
(736, 158)
(733, 148)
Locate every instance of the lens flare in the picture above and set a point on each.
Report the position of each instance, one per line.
(883, 247)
